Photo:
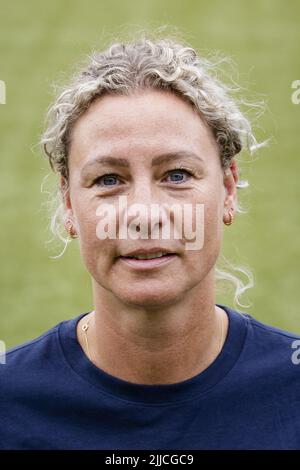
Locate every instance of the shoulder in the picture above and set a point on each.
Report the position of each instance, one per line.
(270, 351)
(33, 362)
(42, 347)
(38, 361)
(31, 352)
(271, 333)
(261, 336)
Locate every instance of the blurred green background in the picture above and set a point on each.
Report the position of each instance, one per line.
(40, 42)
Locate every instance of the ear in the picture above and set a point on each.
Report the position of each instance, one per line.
(231, 177)
(65, 192)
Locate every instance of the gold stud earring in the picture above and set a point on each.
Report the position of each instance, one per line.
(71, 230)
(231, 218)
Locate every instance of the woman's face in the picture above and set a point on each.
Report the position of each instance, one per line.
(134, 131)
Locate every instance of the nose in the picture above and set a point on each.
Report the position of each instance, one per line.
(146, 214)
(143, 191)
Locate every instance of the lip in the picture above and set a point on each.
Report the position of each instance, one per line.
(141, 251)
(148, 263)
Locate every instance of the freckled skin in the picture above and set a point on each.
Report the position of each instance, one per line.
(138, 128)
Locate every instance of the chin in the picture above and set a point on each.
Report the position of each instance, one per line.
(151, 297)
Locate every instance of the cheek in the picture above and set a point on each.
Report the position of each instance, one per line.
(91, 247)
(210, 193)
(97, 255)
(213, 232)
(210, 199)
(213, 219)
(212, 226)
(200, 261)
(87, 221)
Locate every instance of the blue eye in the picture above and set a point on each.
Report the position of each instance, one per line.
(111, 179)
(178, 174)
(108, 180)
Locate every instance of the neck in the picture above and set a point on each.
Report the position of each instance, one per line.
(157, 346)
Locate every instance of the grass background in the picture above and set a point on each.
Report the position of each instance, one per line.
(40, 42)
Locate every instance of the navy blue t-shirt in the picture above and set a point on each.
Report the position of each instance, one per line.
(53, 397)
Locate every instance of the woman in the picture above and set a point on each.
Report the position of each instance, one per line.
(157, 364)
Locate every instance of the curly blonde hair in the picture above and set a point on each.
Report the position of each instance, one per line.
(147, 63)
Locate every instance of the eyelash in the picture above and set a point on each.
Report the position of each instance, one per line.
(188, 171)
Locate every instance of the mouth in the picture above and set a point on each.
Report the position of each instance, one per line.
(148, 260)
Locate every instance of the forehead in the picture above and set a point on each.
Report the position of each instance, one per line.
(147, 123)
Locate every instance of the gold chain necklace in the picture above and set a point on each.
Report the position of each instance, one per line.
(85, 327)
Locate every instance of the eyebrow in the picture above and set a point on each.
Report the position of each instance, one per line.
(158, 160)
